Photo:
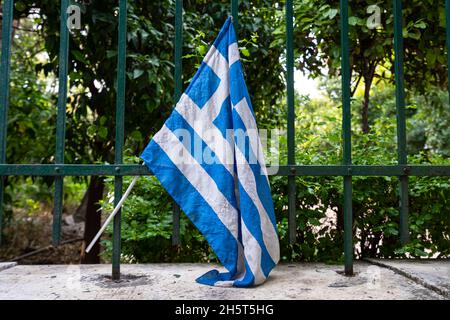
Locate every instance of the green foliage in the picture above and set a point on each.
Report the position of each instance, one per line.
(147, 215)
(317, 40)
(32, 100)
(316, 240)
(375, 199)
(430, 127)
(147, 227)
(31, 104)
(90, 116)
(149, 90)
(32, 125)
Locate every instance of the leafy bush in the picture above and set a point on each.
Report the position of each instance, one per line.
(147, 214)
(147, 227)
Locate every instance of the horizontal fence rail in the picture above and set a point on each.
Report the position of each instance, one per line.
(294, 170)
(347, 170)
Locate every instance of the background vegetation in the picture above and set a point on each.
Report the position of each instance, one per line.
(147, 214)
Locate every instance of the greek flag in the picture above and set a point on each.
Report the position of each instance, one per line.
(208, 156)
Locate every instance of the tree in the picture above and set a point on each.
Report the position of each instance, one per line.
(31, 104)
(149, 91)
(317, 39)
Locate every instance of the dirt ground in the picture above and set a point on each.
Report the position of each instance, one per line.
(27, 234)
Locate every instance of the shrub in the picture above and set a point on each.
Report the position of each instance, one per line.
(319, 216)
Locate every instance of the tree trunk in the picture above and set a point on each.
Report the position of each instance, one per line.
(368, 75)
(93, 220)
(80, 213)
(365, 107)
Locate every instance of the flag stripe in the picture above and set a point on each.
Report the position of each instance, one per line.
(233, 53)
(200, 151)
(266, 228)
(244, 112)
(261, 181)
(252, 255)
(194, 205)
(199, 178)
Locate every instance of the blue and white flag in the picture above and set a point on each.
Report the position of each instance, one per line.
(208, 156)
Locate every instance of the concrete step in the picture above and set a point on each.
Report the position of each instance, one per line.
(432, 274)
(177, 281)
(7, 265)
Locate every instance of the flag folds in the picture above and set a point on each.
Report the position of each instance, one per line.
(208, 156)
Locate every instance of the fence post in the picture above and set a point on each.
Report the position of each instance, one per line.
(177, 94)
(5, 68)
(291, 118)
(401, 120)
(235, 14)
(120, 127)
(347, 139)
(447, 40)
(61, 120)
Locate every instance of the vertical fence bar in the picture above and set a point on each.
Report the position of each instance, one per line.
(177, 94)
(291, 116)
(447, 39)
(235, 14)
(61, 120)
(5, 67)
(401, 119)
(120, 128)
(346, 135)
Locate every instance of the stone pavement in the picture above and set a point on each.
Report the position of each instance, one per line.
(429, 280)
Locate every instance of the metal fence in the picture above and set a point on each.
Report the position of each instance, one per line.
(59, 169)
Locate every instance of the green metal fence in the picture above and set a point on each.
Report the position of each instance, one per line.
(59, 169)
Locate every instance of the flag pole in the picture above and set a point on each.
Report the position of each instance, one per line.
(111, 216)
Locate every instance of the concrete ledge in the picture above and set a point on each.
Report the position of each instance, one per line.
(177, 281)
(432, 274)
(7, 265)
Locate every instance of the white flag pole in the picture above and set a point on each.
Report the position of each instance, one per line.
(112, 215)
